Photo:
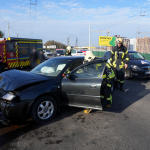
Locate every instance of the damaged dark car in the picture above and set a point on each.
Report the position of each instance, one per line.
(57, 81)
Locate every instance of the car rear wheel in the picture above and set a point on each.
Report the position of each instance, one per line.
(44, 109)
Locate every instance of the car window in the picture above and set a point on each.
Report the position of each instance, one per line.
(74, 65)
(48, 51)
(135, 56)
(51, 67)
(79, 52)
(59, 51)
(94, 70)
(11, 47)
(106, 55)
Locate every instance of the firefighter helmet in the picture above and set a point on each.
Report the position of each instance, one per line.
(68, 48)
(119, 40)
(89, 56)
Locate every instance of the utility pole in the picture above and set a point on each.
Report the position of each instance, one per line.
(76, 41)
(8, 29)
(17, 35)
(68, 41)
(89, 38)
(108, 32)
(103, 31)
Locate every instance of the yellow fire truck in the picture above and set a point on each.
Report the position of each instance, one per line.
(15, 52)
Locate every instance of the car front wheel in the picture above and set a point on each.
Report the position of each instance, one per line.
(44, 109)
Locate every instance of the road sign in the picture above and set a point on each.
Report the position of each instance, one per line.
(107, 41)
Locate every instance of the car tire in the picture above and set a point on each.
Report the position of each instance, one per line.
(44, 109)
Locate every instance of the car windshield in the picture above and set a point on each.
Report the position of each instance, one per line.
(59, 51)
(135, 56)
(48, 51)
(51, 67)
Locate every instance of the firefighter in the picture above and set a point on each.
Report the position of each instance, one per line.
(68, 51)
(107, 84)
(119, 59)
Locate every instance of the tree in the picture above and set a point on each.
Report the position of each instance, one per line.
(58, 44)
(1, 34)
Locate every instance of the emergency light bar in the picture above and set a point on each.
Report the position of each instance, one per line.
(23, 39)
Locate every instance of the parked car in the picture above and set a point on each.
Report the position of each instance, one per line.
(59, 53)
(42, 91)
(138, 67)
(84, 51)
(77, 53)
(48, 53)
(45, 55)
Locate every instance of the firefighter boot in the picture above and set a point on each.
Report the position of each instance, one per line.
(88, 110)
(121, 87)
(109, 101)
(108, 106)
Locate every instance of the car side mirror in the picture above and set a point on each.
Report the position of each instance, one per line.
(144, 56)
(68, 75)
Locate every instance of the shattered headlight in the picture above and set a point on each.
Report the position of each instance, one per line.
(8, 96)
(136, 68)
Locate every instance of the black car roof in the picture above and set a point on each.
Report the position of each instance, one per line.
(73, 57)
(128, 51)
(69, 57)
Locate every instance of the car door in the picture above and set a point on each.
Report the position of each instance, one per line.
(82, 89)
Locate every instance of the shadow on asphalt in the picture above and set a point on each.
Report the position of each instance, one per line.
(135, 90)
(14, 131)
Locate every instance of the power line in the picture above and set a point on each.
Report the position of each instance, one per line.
(34, 16)
(30, 18)
(3, 19)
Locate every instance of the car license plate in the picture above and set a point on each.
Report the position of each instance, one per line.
(148, 72)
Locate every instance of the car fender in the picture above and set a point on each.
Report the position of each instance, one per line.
(31, 94)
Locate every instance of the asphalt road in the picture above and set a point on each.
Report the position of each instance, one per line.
(124, 126)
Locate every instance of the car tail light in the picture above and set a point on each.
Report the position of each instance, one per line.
(77, 53)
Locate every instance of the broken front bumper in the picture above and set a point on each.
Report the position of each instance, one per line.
(9, 112)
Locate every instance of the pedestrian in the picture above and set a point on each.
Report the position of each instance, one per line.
(68, 51)
(119, 59)
(33, 58)
(41, 57)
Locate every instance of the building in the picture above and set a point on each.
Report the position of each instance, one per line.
(132, 45)
(143, 45)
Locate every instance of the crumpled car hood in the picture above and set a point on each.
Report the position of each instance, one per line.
(14, 79)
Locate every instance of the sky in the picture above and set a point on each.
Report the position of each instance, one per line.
(59, 19)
